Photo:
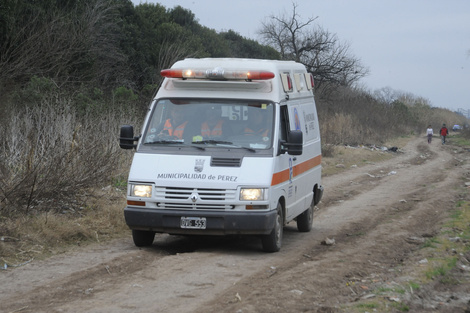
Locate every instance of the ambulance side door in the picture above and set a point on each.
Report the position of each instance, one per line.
(290, 121)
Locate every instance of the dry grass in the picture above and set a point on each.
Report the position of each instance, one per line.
(55, 158)
(346, 157)
(27, 237)
(50, 151)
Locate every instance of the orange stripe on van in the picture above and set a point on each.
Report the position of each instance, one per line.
(298, 169)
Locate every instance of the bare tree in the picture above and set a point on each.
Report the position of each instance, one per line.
(329, 60)
(386, 95)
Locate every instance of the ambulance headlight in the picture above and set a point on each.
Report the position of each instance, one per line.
(142, 191)
(252, 194)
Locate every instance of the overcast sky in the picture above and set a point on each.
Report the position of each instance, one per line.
(416, 46)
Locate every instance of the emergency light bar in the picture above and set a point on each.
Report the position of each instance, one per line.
(217, 74)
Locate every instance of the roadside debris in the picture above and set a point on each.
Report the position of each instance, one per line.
(328, 242)
(415, 240)
(297, 292)
(375, 148)
(5, 265)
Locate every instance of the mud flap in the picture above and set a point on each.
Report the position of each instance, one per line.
(318, 195)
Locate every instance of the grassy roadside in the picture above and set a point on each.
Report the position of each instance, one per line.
(342, 158)
(97, 215)
(444, 266)
(444, 263)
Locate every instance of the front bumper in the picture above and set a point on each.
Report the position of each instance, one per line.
(217, 222)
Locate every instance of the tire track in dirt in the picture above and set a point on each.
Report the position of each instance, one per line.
(67, 279)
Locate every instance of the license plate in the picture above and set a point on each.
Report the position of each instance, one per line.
(193, 222)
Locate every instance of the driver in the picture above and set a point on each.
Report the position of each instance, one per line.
(257, 123)
(174, 126)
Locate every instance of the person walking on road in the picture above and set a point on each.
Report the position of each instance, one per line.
(429, 132)
(444, 132)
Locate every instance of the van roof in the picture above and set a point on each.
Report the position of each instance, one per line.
(239, 62)
(287, 74)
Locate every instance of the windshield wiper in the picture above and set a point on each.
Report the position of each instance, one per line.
(213, 142)
(171, 142)
(222, 142)
(248, 148)
(164, 142)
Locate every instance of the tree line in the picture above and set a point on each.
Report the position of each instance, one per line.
(108, 44)
(105, 43)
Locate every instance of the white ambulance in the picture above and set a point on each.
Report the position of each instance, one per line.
(229, 146)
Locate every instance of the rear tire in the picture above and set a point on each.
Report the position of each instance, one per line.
(143, 238)
(273, 241)
(305, 220)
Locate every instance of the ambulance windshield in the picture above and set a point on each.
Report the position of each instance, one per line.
(211, 123)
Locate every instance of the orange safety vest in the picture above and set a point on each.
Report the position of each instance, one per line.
(177, 132)
(261, 132)
(216, 131)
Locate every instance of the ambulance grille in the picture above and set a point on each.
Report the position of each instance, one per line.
(226, 162)
(205, 199)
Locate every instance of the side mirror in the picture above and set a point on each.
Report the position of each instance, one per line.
(126, 138)
(294, 143)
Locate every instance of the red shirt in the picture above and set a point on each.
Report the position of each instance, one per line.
(444, 131)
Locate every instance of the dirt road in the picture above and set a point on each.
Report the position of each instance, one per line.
(373, 213)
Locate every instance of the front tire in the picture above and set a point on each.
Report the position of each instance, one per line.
(273, 241)
(143, 238)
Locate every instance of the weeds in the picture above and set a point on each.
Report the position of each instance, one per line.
(29, 237)
(452, 239)
(369, 306)
(120, 182)
(61, 169)
(431, 243)
(414, 285)
(384, 290)
(50, 152)
(439, 270)
(401, 307)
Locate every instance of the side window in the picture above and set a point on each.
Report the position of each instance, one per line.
(284, 123)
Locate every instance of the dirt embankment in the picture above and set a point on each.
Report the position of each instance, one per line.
(378, 215)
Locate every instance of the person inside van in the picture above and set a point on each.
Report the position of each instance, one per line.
(257, 123)
(175, 125)
(213, 125)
